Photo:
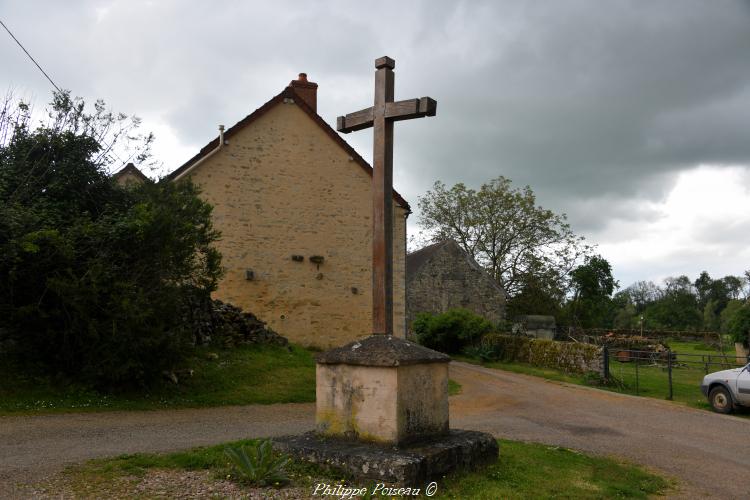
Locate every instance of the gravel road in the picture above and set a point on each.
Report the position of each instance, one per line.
(709, 454)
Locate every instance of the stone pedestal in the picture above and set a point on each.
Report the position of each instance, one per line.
(412, 465)
(382, 389)
(382, 414)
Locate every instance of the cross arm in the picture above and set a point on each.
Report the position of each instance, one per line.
(394, 111)
(355, 121)
(410, 108)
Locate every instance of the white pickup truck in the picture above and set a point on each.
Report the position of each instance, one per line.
(727, 389)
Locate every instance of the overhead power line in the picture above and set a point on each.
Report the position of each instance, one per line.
(30, 56)
(47, 76)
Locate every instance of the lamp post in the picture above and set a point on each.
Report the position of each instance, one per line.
(641, 326)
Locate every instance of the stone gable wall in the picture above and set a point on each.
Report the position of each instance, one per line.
(449, 279)
(282, 187)
(128, 178)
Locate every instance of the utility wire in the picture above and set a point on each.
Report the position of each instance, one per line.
(47, 76)
(30, 57)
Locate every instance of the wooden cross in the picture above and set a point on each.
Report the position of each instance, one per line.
(381, 117)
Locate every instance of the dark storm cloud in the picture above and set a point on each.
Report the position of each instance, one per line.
(596, 105)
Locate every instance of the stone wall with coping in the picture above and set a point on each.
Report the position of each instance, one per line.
(570, 357)
(283, 187)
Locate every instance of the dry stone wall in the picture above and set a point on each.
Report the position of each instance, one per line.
(570, 357)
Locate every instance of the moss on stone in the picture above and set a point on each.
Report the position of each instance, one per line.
(569, 357)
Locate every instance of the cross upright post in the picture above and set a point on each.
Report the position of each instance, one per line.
(381, 117)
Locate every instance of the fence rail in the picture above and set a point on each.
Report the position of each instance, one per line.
(667, 361)
(630, 332)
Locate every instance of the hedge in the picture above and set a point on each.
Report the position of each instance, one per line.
(570, 357)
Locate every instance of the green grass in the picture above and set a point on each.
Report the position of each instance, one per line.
(523, 471)
(652, 381)
(241, 376)
(687, 373)
(244, 375)
(540, 471)
(453, 387)
(202, 458)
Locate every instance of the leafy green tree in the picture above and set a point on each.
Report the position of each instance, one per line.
(593, 284)
(643, 293)
(625, 317)
(539, 294)
(717, 292)
(738, 325)
(711, 321)
(96, 278)
(504, 229)
(703, 285)
(728, 313)
(676, 308)
(734, 286)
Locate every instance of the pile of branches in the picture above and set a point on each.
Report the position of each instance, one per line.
(630, 342)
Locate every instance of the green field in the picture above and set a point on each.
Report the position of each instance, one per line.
(524, 470)
(651, 381)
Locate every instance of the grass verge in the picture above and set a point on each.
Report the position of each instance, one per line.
(240, 376)
(244, 375)
(524, 470)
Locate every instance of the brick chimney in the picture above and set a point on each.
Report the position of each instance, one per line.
(308, 91)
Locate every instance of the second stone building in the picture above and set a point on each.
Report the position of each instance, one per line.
(443, 276)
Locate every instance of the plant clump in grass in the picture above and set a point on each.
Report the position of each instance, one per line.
(453, 387)
(257, 464)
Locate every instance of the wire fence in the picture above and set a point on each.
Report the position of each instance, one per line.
(664, 373)
(603, 336)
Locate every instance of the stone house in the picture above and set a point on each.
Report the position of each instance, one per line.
(293, 203)
(129, 174)
(443, 276)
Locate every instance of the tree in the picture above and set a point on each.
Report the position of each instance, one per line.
(96, 278)
(703, 287)
(538, 294)
(676, 308)
(593, 284)
(504, 230)
(728, 313)
(738, 325)
(711, 321)
(643, 293)
(625, 317)
(734, 286)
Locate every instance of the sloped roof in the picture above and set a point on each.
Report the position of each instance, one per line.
(417, 259)
(287, 93)
(130, 169)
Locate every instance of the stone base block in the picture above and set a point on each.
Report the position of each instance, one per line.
(413, 465)
(382, 389)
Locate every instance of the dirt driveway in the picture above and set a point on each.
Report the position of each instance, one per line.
(708, 453)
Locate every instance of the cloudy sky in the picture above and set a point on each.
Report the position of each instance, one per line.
(633, 117)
